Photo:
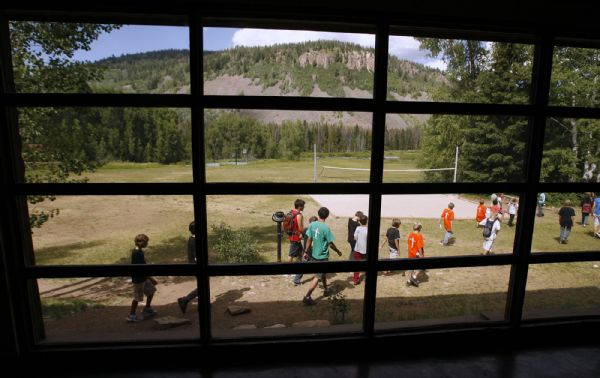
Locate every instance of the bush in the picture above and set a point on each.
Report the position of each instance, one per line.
(233, 246)
(62, 307)
(338, 307)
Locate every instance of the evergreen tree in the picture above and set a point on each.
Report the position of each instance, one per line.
(491, 147)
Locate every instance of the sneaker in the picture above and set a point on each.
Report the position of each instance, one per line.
(296, 283)
(132, 318)
(413, 282)
(182, 302)
(308, 301)
(148, 312)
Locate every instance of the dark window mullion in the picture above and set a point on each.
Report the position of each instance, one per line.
(419, 107)
(289, 103)
(98, 100)
(376, 178)
(542, 69)
(199, 168)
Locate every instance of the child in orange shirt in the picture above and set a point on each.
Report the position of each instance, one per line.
(480, 215)
(447, 217)
(415, 250)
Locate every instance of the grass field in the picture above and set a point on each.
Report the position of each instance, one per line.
(265, 170)
(100, 230)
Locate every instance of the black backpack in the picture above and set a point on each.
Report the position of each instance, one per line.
(487, 229)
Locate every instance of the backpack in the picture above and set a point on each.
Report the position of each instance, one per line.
(487, 229)
(289, 223)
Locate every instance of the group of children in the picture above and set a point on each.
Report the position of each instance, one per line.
(312, 243)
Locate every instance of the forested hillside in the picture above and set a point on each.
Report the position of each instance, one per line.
(323, 68)
(336, 69)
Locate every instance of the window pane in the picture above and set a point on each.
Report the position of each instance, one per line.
(472, 225)
(81, 230)
(268, 306)
(562, 289)
(459, 295)
(241, 229)
(61, 57)
(575, 75)
(455, 70)
(567, 222)
(267, 62)
(571, 150)
(98, 308)
(428, 148)
(287, 146)
(62, 145)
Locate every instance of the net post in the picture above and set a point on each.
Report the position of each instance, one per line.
(315, 162)
(455, 164)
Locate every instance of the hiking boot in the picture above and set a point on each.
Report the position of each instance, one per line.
(132, 318)
(182, 302)
(308, 301)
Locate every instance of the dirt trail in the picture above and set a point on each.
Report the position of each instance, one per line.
(403, 206)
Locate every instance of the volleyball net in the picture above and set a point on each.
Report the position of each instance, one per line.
(362, 174)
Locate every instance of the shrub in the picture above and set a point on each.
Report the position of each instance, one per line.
(233, 246)
(338, 307)
(58, 308)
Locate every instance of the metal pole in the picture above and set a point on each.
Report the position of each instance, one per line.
(279, 234)
(315, 164)
(455, 164)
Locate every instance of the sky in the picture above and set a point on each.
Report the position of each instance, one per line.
(140, 38)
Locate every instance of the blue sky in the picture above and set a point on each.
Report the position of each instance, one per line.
(140, 38)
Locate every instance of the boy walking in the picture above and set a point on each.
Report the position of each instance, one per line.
(191, 249)
(141, 285)
(320, 239)
(353, 223)
(491, 227)
(566, 214)
(360, 249)
(447, 218)
(298, 277)
(512, 211)
(392, 238)
(541, 202)
(416, 249)
(295, 237)
(480, 214)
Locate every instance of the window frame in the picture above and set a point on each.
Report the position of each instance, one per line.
(21, 275)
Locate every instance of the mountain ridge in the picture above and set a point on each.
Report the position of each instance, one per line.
(316, 69)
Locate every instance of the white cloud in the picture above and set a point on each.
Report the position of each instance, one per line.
(401, 47)
(408, 48)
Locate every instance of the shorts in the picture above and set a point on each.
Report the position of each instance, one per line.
(596, 220)
(320, 276)
(296, 249)
(487, 244)
(394, 254)
(143, 288)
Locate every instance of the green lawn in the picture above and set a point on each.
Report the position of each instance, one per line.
(266, 170)
(106, 238)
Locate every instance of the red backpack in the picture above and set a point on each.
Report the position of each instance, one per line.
(289, 223)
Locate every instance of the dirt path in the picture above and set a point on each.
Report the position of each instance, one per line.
(403, 206)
